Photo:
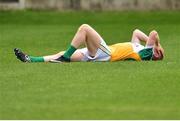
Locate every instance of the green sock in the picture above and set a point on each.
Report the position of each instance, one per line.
(36, 59)
(69, 52)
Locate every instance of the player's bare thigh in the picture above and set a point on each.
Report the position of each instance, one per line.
(93, 39)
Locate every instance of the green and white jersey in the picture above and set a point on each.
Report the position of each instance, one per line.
(146, 54)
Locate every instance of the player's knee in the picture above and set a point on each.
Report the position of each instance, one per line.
(84, 27)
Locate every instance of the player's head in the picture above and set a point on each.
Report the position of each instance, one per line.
(158, 54)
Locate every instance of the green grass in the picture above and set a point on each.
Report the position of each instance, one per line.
(119, 90)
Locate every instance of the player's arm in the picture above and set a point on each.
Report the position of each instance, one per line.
(154, 41)
(138, 36)
(158, 46)
(157, 40)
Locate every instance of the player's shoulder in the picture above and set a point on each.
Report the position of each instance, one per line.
(146, 54)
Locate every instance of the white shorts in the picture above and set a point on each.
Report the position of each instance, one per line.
(103, 53)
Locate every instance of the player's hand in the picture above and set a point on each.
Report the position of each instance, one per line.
(158, 51)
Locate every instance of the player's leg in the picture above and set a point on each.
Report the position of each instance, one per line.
(27, 58)
(77, 56)
(88, 36)
(55, 56)
(85, 35)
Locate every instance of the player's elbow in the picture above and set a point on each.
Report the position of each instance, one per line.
(136, 31)
(153, 33)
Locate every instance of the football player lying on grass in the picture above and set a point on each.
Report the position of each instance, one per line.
(97, 50)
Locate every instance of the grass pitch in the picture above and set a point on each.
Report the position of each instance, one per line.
(119, 90)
